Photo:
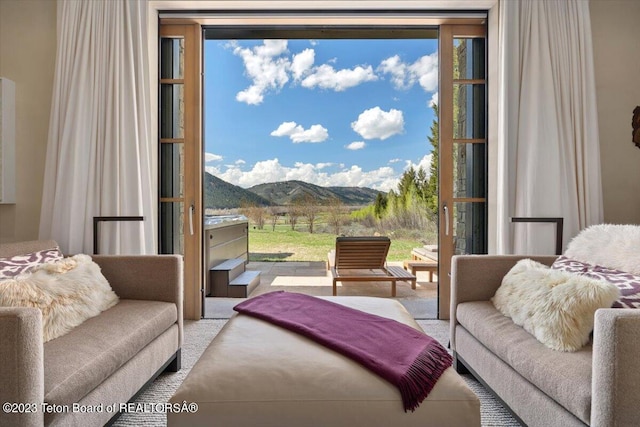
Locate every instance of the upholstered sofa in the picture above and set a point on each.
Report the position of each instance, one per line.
(85, 375)
(597, 385)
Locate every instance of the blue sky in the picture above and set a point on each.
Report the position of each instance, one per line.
(329, 112)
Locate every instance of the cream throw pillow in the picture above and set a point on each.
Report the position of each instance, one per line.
(68, 292)
(556, 307)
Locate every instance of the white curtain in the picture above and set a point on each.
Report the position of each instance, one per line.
(99, 153)
(549, 164)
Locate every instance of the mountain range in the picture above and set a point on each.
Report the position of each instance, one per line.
(220, 194)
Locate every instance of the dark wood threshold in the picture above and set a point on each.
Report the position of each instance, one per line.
(174, 364)
(463, 367)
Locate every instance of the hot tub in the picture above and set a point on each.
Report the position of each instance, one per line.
(222, 219)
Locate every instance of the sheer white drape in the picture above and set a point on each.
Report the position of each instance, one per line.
(99, 153)
(549, 164)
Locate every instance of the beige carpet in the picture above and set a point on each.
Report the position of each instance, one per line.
(198, 335)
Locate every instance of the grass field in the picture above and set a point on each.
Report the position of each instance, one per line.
(284, 244)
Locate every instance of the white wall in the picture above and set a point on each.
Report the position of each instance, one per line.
(27, 56)
(616, 40)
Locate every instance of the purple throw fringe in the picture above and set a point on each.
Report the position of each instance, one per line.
(423, 374)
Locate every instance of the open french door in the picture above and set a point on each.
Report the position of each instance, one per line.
(180, 155)
(463, 152)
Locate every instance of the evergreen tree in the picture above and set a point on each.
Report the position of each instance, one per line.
(431, 192)
(421, 183)
(380, 206)
(407, 184)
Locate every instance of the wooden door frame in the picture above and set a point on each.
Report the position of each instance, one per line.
(445, 168)
(192, 197)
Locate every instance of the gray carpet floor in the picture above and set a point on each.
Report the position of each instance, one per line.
(198, 335)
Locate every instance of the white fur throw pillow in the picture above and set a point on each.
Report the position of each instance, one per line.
(556, 307)
(68, 292)
(608, 245)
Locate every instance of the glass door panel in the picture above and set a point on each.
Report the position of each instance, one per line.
(172, 170)
(469, 170)
(172, 108)
(172, 143)
(172, 54)
(469, 111)
(171, 228)
(469, 58)
(469, 236)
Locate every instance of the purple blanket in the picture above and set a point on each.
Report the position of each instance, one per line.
(407, 358)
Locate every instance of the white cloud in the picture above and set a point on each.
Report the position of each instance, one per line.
(323, 165)
(316, 133)
(434, 99)
(266, 68)
(210, 157)
(424, 162)
(398, 70)
(356, 145)
(212, 170)
(395, 160)
(426, 70)
(286, 129)
(302, 63)
(270, 66)
(383, 178)
(376, 123)
(326, 77)
(423, 71)
(251, 95)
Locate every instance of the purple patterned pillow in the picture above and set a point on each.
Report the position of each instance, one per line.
(629, 284)
(569, 265)
(18, 264)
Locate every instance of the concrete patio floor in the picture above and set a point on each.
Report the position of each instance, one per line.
(313, 278)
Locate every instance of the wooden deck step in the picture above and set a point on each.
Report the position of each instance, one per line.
(244, 284)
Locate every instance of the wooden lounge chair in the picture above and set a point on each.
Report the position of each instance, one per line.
(363, 259)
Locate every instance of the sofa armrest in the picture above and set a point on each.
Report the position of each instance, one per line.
(21, 365)
(615, 383)
(477, 277)
(145, 277)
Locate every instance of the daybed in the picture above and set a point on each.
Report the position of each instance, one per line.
(598, 385)
(102, 362)
(257, 374)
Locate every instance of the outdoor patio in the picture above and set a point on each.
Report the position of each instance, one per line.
(313, 278)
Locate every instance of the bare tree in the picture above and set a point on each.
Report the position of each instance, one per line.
(255, 213)
(308, 208)
(294, 214)
(336, 214)
(274, 214)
